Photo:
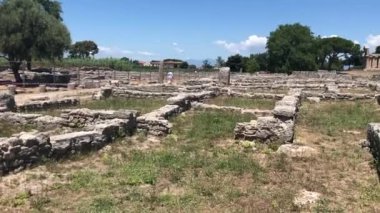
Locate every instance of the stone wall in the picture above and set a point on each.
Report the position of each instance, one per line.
(98, 128)
(156, 123)
(278, 128)
(47, 104)
(7, 102)
(373, 136)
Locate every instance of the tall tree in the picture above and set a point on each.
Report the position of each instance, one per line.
(27, 31)
(290, 48)
(332, 52)
(235, 63)
(219, 62)
(83, 49)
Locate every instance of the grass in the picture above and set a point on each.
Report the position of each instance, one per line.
(200, 168)
(8, 129)
(257, 103)
(141, 105)
(333, 118)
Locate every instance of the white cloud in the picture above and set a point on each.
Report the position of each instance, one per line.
(175, 44)
(254, 43)
(112, 52)
(372, 42)
(104, 49)
(330, 36)
(145, 53)
(356, 42)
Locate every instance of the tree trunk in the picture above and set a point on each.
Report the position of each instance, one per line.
(15, 66)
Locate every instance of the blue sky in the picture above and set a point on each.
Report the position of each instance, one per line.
(200, 29)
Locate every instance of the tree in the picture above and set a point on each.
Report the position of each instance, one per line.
(52, 7)
(262, 60)
(235, 63)
(290, 48)
(125, 59)
(377, 50)
(250, 64)
(220, 62)
(184, 65)
(83, 49)
(206, 65)
(27, 30)
(332, 52)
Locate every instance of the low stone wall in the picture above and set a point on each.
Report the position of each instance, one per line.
(373, 136)
(278, 128)
(337, 96)
(7, 102)
(99, 128)
(125, 93)
(253, 95)
(47, 104)
(78, 118)
(21, 151)
(156, 123)
(256, 112)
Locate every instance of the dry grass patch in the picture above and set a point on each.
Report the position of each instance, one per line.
(257, 103)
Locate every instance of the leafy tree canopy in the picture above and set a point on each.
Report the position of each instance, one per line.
(235, 63)
(28, 30)
(83, 49)
(290, 48)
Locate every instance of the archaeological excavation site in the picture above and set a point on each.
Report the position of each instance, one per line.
(224, 141)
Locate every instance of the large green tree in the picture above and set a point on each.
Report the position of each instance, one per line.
(334, 52)
(27, 30)
(235, 62)
(290, 48)
(83, 49)
(250, 64)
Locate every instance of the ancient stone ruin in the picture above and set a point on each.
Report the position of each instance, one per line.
(83, 130)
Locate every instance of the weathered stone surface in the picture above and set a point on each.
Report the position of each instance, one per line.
(224, 76)
(306, 199)
(7, 102)
(23, 150)
(373, 136)
(83, 117)
(293, 150)
(314, 99)
(256, 112)
(285, 112)
(156, 123)
(266, 130)
(43, 105)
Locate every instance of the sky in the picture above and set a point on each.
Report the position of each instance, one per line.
(204, 29)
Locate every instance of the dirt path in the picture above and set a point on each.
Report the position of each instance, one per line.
(81, 94)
